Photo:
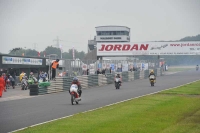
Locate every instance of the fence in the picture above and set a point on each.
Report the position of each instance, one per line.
(89, 67)
(88, 81)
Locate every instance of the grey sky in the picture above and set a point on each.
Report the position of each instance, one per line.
(25, 22)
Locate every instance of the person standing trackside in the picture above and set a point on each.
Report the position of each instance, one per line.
(54, 65)
(2, 85)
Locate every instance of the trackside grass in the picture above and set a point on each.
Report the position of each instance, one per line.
(179, 69)
(171, 111)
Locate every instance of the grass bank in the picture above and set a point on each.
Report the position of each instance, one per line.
(170, 111)
(179, 68)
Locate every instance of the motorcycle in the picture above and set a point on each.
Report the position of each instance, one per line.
(117, 83)
(152, 80)
(7, 84)
(197, 68)
(32, 80)
(74, 94)
(24, 85)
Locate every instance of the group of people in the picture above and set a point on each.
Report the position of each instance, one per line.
(5, 82)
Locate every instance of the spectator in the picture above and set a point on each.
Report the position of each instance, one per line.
(87, 71)
(54, 66)
(103, 71)
(98, 72)
(21, 75)
(12, 80)
(2, 85)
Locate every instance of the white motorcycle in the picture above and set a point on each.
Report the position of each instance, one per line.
(117, 83)
(75, 98)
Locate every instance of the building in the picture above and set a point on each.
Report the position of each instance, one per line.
(109, 34)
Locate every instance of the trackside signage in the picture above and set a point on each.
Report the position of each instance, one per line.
(148, 48)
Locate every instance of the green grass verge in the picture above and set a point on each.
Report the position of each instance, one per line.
(171, 111)
(178, 69)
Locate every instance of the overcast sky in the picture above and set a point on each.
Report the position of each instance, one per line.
(25, 22)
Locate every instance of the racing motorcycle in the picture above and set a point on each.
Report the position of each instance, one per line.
(74, 94)
(197, 68)
(24, 84)
(152, 80)
(117, 83)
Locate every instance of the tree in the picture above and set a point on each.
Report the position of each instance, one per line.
(191, 38)
(51, 50)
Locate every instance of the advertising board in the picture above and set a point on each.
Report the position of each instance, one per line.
(148, 48)
(21, 60)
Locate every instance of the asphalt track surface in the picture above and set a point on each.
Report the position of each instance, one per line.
(16, 114)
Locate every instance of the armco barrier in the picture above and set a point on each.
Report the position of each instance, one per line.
(110, 78)
(141, 74)
(146, 74)
(130, 76)
(92, 80)
(102, 79)
(83, 80)
(124, 76)
(87, 81)
(136, 74)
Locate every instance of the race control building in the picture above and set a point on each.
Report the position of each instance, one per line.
(108, 34)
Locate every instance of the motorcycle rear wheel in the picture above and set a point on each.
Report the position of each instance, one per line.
(72, 99)
(152, 83)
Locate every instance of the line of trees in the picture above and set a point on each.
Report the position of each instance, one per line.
(48, 50)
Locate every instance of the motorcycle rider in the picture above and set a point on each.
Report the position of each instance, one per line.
(32, 77)
(152, 73)
(75, 81)
(118, 76)
(197, 67)
(24, 80)
(42, 76)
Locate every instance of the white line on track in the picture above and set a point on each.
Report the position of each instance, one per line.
(101, 107)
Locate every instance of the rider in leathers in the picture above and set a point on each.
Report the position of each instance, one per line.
(197, 67)
(152, 73)
(118, 76)
(75, 81)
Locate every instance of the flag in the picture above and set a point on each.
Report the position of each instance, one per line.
(73, 54)
(60, 46)
(38, 54)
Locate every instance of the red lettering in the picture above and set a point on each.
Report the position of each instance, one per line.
(109, 47)
(117, 47)
(143, 47)
(126, 47)
(135, 46)
(102, 47)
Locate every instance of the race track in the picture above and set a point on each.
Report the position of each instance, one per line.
(21, 113)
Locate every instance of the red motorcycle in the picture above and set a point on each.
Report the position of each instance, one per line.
(75, 98)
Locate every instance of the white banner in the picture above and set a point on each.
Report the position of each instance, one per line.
(84, 67)
(92, 69)
(148, 48)
(21, 60)
(124, 67)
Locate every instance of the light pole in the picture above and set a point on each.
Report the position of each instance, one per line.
(24, 51)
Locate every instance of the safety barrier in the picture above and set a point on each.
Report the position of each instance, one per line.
(87, 81)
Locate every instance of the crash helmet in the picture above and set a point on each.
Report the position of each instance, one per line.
(118, 74)
(152, 71)
(57, 60)
(75, 79)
